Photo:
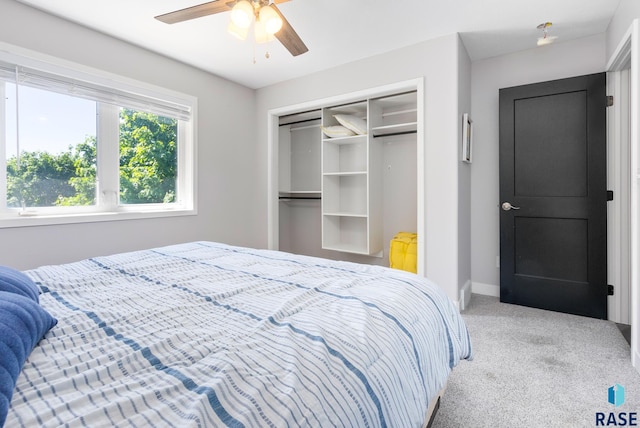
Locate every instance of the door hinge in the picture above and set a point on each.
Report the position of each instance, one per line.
(609, 100)
(610, 290)
(609, 195)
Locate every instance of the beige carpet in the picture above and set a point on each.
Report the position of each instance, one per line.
(535, 368)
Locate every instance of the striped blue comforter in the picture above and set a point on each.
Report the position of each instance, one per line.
(205, 334)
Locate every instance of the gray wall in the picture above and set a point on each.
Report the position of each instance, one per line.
(464, 177)
(228, 183)
(560, 60)
(627, 11)
(436, 61)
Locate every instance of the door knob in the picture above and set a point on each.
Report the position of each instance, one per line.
(506, 206)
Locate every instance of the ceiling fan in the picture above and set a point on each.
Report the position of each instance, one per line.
(263, 10)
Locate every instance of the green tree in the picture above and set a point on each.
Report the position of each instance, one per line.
(83, 180)
(148, 167)
(148, 158)
(40, 180)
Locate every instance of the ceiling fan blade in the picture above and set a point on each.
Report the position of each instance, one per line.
(193, 12)
(288, 36)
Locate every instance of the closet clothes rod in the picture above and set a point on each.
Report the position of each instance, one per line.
(299, 121)
(393, 134)
(287, 198)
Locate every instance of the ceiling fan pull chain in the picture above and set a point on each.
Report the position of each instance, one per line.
(254, 52)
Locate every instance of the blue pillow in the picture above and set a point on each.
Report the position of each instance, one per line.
(22, 324)
(14, 281)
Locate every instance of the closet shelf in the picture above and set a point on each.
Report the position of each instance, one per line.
(299, 194)
(396, 129)
(344, 214)
(346, 248)
(400, 112)
(352, 139)
(344, 173)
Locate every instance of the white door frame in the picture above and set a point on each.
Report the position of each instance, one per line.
(618, 180)
(627, 57)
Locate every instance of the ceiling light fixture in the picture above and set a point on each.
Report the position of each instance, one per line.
(267, 21)
(545, 39)
(270, 23)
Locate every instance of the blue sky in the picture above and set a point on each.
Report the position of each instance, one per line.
(48, 121)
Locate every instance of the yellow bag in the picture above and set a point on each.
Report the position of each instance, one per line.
(403, 253)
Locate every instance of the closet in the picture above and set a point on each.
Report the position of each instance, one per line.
(344, 194)
(299, 183)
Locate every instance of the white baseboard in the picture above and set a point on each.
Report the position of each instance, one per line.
(465, 296)
(485, 289)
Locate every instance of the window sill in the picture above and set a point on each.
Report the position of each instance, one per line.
(54, 219)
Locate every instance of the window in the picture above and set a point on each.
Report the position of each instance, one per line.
(52, 161)
(148, 158)
(78, 146)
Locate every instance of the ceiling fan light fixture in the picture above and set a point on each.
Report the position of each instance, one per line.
(242, 14)
(240, 33)
(261, 34)
(545, 39)
(270, 19)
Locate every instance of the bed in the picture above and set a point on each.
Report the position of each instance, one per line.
(205, 334)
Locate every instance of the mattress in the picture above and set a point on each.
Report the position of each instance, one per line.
(205, 334)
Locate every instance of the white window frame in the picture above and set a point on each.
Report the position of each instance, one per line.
(107, 207)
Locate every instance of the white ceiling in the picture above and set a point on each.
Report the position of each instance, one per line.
(335, 31)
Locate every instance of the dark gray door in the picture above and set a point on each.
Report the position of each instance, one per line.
(553, 242)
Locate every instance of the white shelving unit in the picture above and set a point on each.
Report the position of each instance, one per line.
(351, 211)
(352, 182)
